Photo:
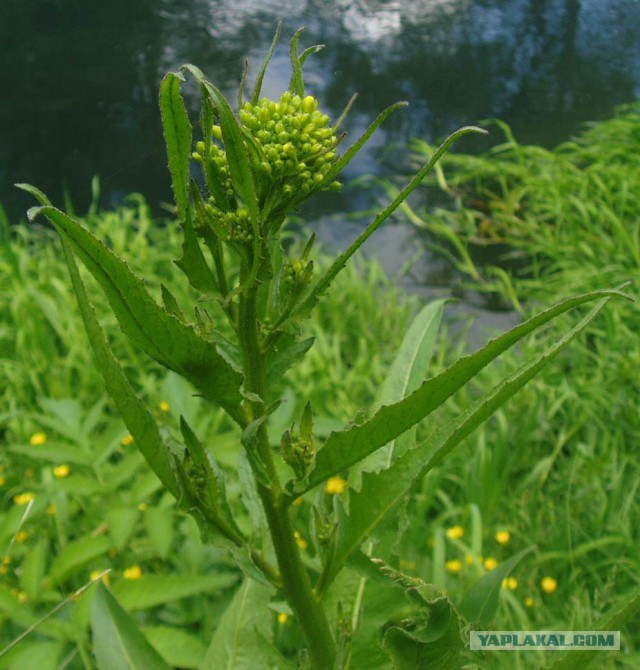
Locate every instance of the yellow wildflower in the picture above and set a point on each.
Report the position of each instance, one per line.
(22, 536)
(134, 572)
(335, 485)
(455, 532)
(302, 543)
(127, 440)
(529, 602)
(454, 566)
(165, 406)
(22, 596)
(3, 480)
(38, 439)
(503, 537)
(283, 617)
(549, 584)
(143, 507)
(61, 471)
(510, 583)
(105, 576)
(469, 559)
(51, 510)
(24, 498)
(490, 563)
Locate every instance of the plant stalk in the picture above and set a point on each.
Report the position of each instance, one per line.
(295, 579)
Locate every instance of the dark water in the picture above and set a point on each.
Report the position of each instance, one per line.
(79, 80)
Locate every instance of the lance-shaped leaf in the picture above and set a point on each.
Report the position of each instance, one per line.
(170, 342)
(237, 155)
(118, 643)
(407, 372)
(178, 137)
(345, 448)
(481, 602)
(137, 417)
(324, 282)
(381, 491)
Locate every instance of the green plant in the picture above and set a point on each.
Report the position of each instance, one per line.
(256, 168)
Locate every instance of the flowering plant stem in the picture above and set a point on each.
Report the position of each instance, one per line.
(294, 577)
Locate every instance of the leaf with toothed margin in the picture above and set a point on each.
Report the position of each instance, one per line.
(382, 491)
(345, 448)
(162, 336)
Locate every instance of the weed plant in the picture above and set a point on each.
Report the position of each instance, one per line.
(308, 568)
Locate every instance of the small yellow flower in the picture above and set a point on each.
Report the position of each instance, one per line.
(335, 485)
(469, 559)
(549, 584)
(6, 560)
(454, 566)
(134, 572)
(455, 532)
(61, 471)
(22, 537)
(510, 583)
(165, 406)
(3, 569)
(490, 563)
(143, 507)
(3, 480)
(503, 537)
(38, 439)
(51, 510)
(302, 543)
(283, 617)
(127, 440)
(529, 602)
(22, 596)
(105, 576)
(23, 498)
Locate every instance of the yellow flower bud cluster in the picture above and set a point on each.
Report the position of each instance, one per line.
(296, 143)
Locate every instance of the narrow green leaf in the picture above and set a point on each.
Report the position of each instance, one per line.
(235, 645)
(347, 447)
(121, 519)
(324, 282)
(153, 590)
(76, 554)
(407, 372)
(158, 522)
(297, 81)
(255, 98)
(193, 263)
(381, 491)
(138, 419)
(239, 163)
(118, 643)
(178, 136)
(179, 648)
(33, 568)
(480, 603)
(169, 341)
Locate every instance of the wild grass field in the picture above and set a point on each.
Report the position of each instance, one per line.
(557, 468)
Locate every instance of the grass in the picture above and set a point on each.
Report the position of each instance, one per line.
(559, 466)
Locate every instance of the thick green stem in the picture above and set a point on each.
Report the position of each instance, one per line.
(296, 583)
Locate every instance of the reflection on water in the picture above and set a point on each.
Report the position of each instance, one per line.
(79, 80)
